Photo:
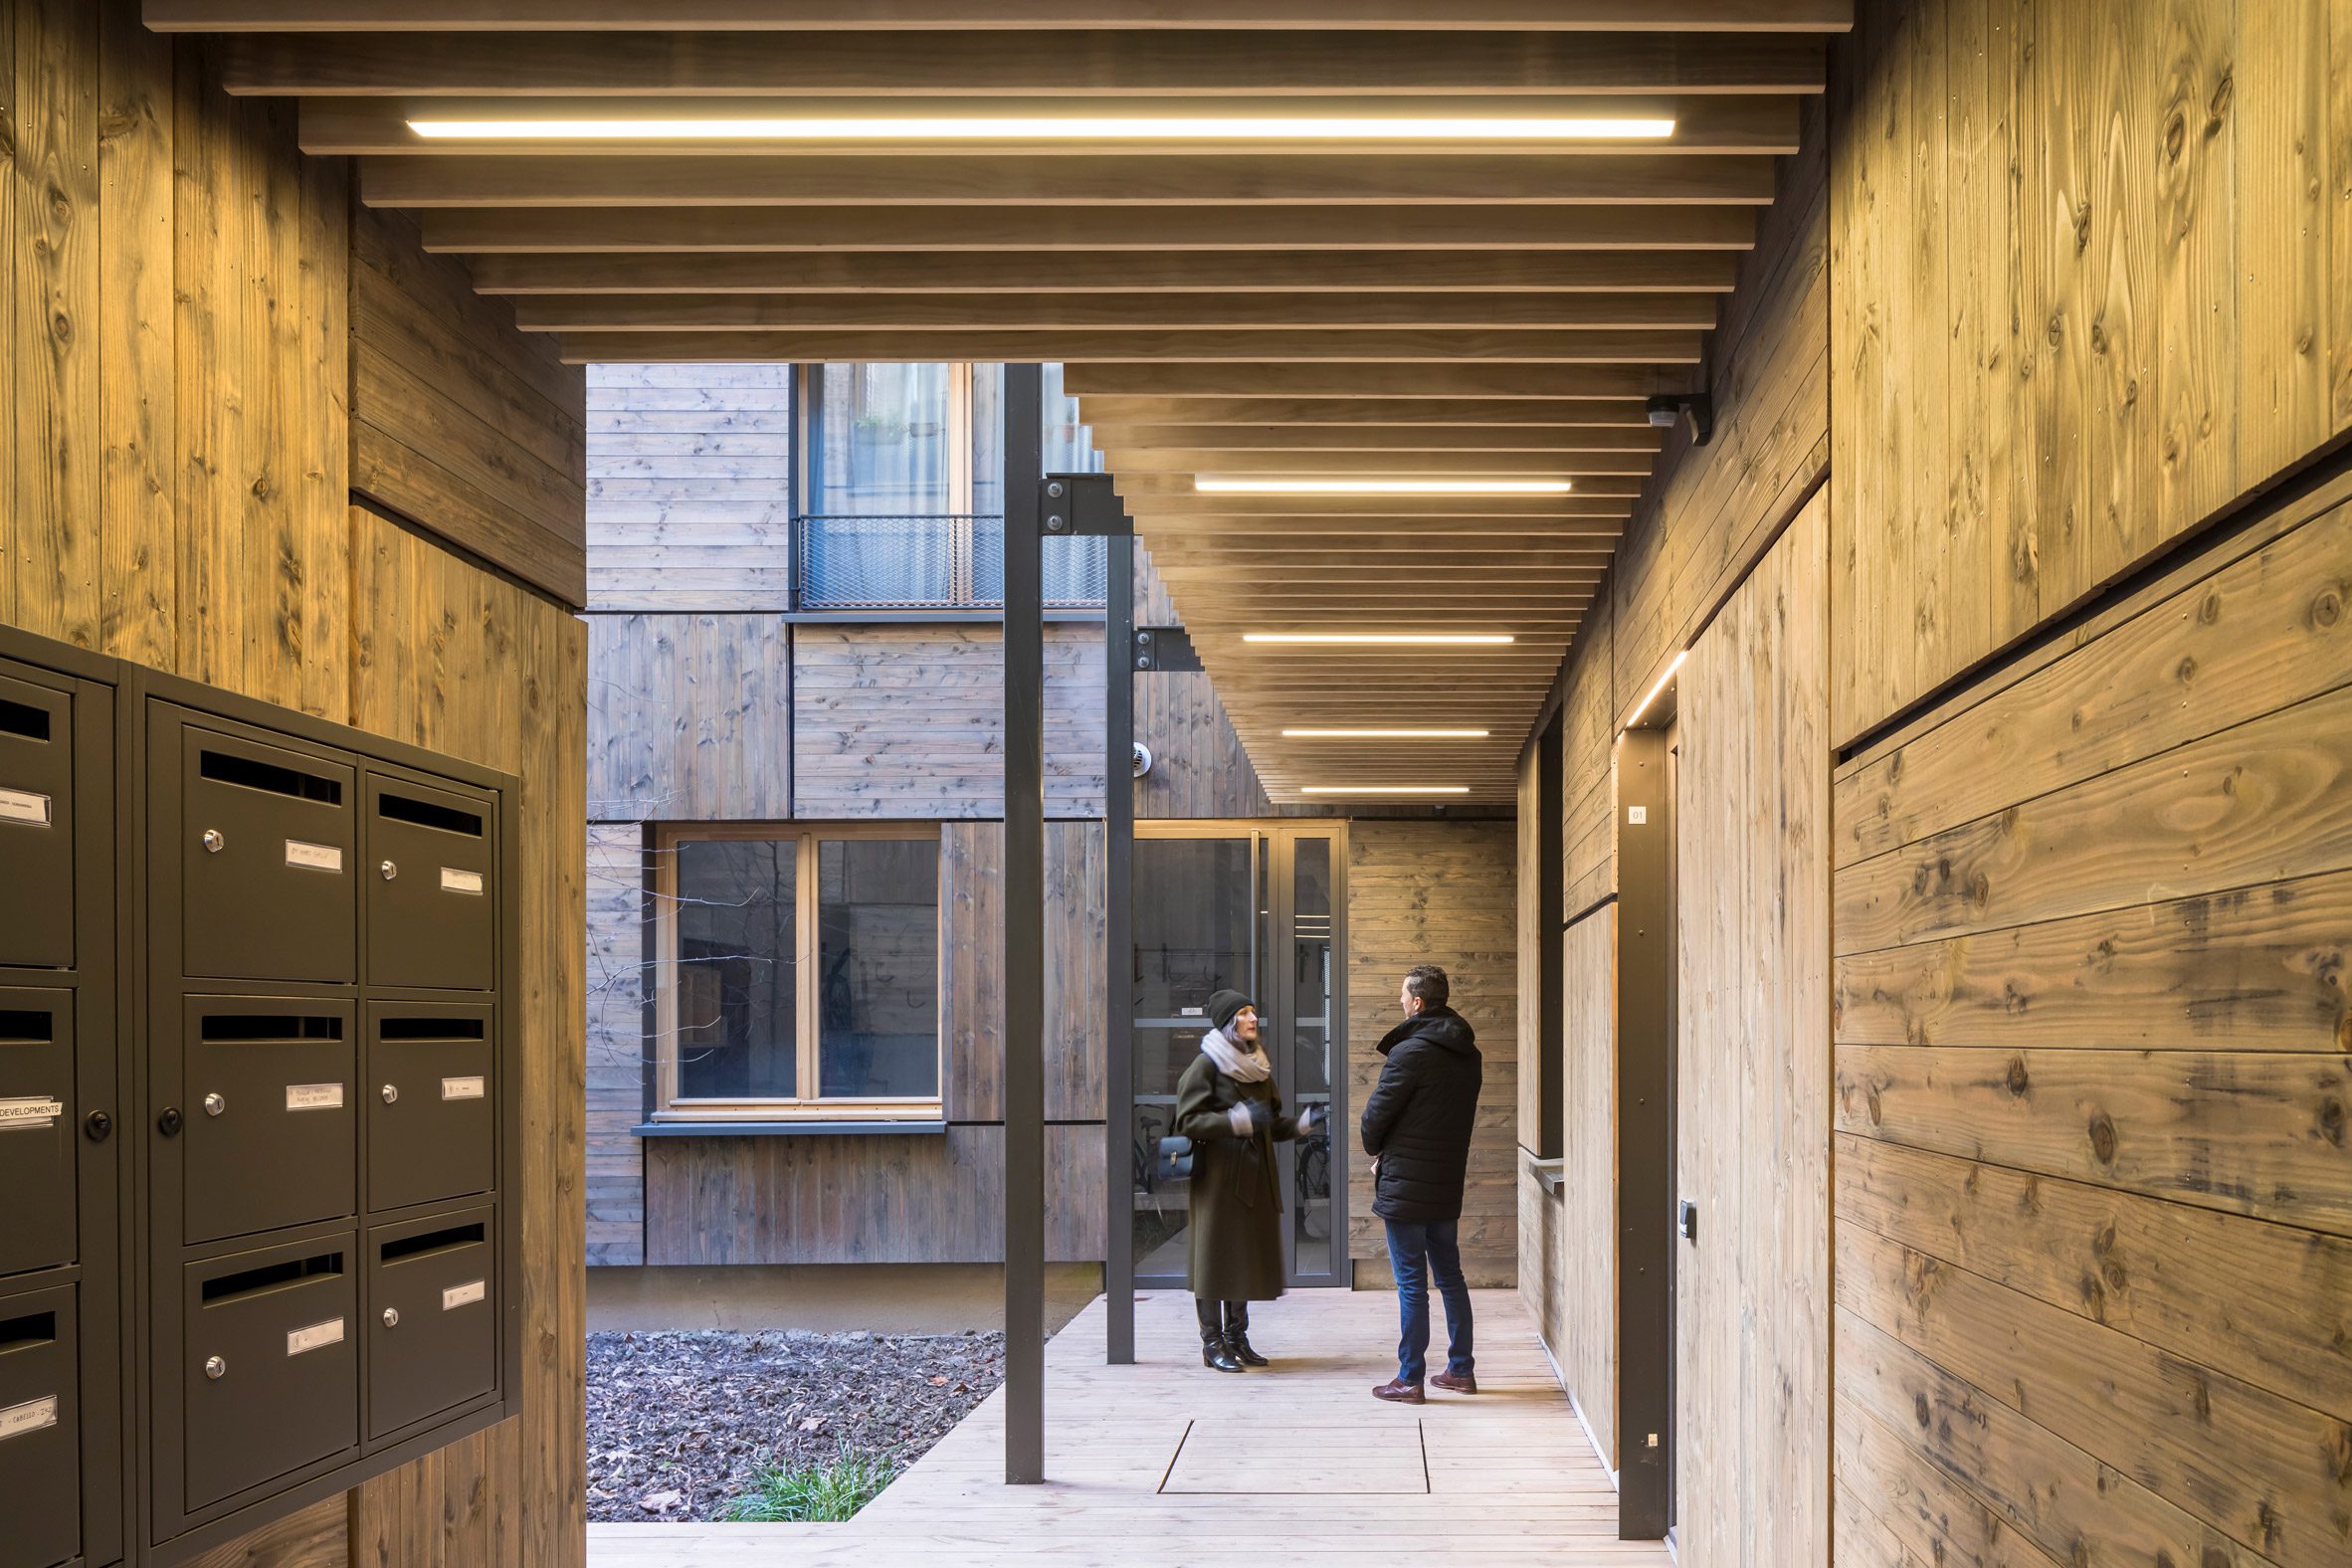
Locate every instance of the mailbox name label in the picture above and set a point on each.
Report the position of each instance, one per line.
(466, 1295)
(454, 881)
(313, 1097)
(18, 1114)
(299, 1340)
(18, 805)
(460, 1089)
(313, 857)
(31, 1415)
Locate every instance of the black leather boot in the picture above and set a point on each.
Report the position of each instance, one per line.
(1236, 1335)
(1214, 1351)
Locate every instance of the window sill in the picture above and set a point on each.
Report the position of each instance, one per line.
(788, 1127)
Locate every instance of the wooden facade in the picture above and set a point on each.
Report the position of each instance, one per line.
(193, 325)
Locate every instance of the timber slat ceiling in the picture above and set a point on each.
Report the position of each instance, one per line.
(1267, 307)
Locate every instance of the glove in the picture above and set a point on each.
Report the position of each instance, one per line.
(1309, 1119)
(1249, 1119)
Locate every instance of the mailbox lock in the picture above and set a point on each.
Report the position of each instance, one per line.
(213, 841)
(97, 1125)
(215, 1367)
(389, 869)
(391, 1318)
(214, 1104)
(169, 1122)
(391, 1092)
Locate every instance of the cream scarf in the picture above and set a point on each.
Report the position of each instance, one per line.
(1244, 1067)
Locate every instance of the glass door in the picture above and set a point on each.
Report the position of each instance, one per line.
(1256, 909)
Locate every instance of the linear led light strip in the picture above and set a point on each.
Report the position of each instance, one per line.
(1096, 127)
(1385, 789)
(1384, 734)
(1384, 639)
(1209, 485)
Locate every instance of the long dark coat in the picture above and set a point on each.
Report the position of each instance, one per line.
(1236, 1224)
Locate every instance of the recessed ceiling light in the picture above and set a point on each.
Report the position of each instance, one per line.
(1209, 484)
(1056, 127)
(1385, 789)
(1384, 639)
(1384, 734)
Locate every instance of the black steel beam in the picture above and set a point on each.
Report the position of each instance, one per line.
(1118, 861)
(1025, 928)
(1645, 1139)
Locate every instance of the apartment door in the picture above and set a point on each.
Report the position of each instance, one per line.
(1258, 909)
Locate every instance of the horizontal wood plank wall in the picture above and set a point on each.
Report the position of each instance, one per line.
(458, 422)
(1752, 1292)
(2095, 1207)
(908, 721)
(1198, 766)
(922, 1199)
(689, 496)
(175, 490)
(617, 981)
(2094, 283)
(1588, 792)
(689, 718)
(1709, 512)
(1586, 1349)
(1441, 893)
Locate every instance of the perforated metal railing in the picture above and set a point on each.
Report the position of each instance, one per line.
(931, 562)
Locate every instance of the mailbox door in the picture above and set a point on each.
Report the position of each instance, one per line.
(268, 839)
(272, 1378)
(268, 1124)
(431, 876)
(433, 1318)
(38, 1114)
(36, 824)
(39, 1429)
(432, 1093)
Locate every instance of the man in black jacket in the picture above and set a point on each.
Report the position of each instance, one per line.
(1417, 1128)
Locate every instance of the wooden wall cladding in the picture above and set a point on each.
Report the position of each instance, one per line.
(1586, 1349)
(2093, 265)
(908, 721)
(1199, 768)
(689, 718)
(691, 496)
(1542, 1290)
(1752, 1293)
(2092, 1037)
(1707, 514)
(175, 490)
(1441, 893)
(458, 420)
(972, 942)
(865, 1199)
(617, 985)
(1588, 793)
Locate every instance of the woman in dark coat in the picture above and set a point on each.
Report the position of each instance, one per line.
(1226, 1103)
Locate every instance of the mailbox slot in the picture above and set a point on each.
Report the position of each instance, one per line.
(432, 1093)
(40, 1431)
(432, 886)
(38, 1113)
(433, 1319)
(272, 1371)
(36, 825)
(269, 1121)
(267, 842)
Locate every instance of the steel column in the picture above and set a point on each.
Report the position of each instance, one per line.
(1646, 1142)
(1118, 959)
(1025, 925)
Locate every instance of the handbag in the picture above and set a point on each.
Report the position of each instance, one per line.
(1175, 1160)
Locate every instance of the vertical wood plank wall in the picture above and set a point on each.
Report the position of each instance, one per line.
(2094, 285)
(616, 992)
(175, 487)
(2095, 1209)
(1445, 893)
(1752, 1119)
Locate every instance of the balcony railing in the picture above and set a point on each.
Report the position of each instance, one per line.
(929, 563)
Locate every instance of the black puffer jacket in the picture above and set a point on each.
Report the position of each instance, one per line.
(1419, 1121)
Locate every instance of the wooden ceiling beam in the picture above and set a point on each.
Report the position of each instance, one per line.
(1705, 123)
(792, 16)
(1121, 273)
(1272, 377)
(979, 63)
(1438, 352)
(1058, 311)
(1379, 437)
(1313, 417)
(1245, 180)
(1158, 229)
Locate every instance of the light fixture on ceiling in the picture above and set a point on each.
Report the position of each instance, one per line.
(1385, 639)
(1385, 789)
(1384, 734)
(1224, 484)
(1056, 127)
(1664, 681)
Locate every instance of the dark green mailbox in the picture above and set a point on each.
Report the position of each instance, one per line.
(433, 1298)
(38, 1146)
(431, 1097)
(39, 1429)
(271, 1136)
(271, 1373)
(432, 885)
(267, 844)
(36, 824)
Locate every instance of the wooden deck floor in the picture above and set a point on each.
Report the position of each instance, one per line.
(1168, 1462)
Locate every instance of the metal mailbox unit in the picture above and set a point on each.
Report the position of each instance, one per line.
(269, 951)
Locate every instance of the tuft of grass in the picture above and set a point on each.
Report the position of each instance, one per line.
(810, 1494)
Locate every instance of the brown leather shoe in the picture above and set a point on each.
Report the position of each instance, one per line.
(1399, 1392)
(1467, 1383)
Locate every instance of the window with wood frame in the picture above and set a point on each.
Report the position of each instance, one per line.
(797, 973)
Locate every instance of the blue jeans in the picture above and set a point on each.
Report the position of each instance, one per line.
(1415, 1253)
